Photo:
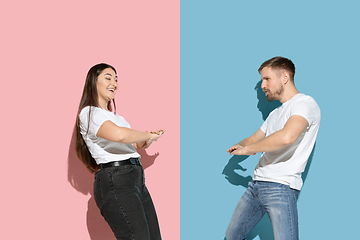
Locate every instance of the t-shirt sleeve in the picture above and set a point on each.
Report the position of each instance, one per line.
(97, 118)
(308, 109)
(264, 126)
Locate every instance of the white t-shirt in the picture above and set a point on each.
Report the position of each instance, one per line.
(102, 150)
(286, 165)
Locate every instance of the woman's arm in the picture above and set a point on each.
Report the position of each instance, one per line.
(111, 132)
(146, 144)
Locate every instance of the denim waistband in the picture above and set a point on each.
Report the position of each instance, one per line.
(130, 161)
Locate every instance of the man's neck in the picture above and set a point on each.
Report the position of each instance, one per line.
(288, 94)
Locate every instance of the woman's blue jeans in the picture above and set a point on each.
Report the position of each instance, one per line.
(125, 203)
(275, 199)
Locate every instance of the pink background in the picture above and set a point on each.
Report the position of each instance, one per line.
(46, 50)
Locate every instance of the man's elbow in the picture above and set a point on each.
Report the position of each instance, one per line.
(289, 139)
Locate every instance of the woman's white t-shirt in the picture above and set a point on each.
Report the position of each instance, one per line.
(102, 150)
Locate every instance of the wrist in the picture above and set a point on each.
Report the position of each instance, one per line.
(247, 150)
(150, 136)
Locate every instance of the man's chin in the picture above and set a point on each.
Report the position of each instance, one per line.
(270, 98)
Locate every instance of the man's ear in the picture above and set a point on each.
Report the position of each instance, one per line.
(285, 77)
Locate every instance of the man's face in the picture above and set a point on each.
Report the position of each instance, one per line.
(271, 83)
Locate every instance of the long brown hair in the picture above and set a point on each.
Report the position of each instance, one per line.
(89, 98)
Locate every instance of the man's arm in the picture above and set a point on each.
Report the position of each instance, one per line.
(286, 136)
(257, 136)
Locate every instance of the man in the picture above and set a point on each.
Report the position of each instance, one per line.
(286, 140)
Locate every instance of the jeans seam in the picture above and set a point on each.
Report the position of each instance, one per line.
(291, 223)
(100, 191)
(248, 221)
(120, 207)
(253, 214)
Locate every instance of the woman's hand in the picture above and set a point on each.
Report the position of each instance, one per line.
(158, 132)
(154, 136)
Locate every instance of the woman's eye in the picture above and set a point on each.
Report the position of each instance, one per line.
(108, 78)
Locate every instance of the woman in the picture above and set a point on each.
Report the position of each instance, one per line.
(107, 146)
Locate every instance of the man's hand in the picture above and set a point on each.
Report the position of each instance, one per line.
(242, 151)
(233, 148)
(237, 149)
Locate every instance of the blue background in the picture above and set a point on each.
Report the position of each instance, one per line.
(222, 45)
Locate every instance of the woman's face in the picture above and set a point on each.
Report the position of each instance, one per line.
(106, 86)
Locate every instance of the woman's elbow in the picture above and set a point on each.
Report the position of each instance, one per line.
(120, 136)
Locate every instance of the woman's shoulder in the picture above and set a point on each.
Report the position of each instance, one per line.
(86, 109)
(90, 109)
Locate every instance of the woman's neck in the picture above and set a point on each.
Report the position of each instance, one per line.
(103, 105)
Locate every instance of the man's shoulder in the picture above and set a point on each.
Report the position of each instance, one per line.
(305, 99)
(302, 96)
(307, 107)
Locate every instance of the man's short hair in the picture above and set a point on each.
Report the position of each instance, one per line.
(280, 63)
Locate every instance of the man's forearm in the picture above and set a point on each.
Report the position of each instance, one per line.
(247, 141)
(271, 143)
(286, 136)
(244, 142)
(256, 137)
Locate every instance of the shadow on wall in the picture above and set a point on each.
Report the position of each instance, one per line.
(82, 180)
(263, 229)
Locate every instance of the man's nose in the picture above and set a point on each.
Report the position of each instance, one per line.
(263, 85)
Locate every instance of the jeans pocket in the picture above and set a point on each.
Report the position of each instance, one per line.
(124, 177)
(295, 194)
(120, 170)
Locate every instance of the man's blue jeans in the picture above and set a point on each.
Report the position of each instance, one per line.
(275, 199)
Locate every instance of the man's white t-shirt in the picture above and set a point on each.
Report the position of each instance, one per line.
(102, 150)
(286, 165)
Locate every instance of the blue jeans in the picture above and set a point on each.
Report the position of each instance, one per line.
(125, 203)
(275, 199)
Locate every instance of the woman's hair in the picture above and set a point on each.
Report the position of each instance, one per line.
(89, 98)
